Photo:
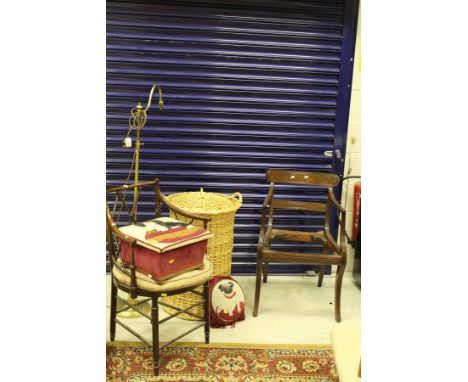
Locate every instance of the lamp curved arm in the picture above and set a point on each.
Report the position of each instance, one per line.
(138, 116)
(150, 98)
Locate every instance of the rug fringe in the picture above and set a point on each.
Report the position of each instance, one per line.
(226, 345)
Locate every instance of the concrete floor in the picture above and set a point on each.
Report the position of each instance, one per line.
(293, 310)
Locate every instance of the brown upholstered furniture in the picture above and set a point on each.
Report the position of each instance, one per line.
(346, 343)
(333, 253)
(128, 279)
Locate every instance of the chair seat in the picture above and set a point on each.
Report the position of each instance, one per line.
(184, 280)
(313, 258)
(309, 237)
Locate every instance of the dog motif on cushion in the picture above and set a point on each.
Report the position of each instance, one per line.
(227, 301)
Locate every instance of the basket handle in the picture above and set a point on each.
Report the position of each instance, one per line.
(238, 195)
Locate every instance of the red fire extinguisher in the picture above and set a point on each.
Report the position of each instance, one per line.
(356, 209)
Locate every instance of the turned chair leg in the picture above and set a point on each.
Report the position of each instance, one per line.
(265, 271)
(113, 310)
(338, 282)
(206, 295)
(155, 325)
(258, 285)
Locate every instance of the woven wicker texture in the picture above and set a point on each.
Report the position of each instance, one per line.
(221, 209)
(187, 279)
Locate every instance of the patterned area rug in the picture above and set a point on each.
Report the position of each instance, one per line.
(132, 362)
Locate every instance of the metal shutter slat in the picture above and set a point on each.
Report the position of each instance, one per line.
(247, 86)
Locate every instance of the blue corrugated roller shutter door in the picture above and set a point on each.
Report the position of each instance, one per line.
(248, 86)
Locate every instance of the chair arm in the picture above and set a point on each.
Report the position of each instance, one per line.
(332, 198)
(343, 235)
(269, 196)
(264, 208)
(332, 241)
(261, 237)
(341, 248)
(113, 226)
(130, 186)
(180, 211)
(267, 201)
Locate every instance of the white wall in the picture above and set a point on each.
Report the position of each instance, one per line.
(353, 145)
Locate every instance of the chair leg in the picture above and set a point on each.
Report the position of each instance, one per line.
(265, 271)
(338, 282)
(320, 278)
(113, 310)
(322, 268)
(155, 325)
(258, 285)
(206, 295)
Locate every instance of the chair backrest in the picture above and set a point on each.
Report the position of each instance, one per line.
(302, 177)
(114, 236)
(306, 178)
(122, 205)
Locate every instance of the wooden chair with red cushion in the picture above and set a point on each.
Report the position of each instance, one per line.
(332, 252)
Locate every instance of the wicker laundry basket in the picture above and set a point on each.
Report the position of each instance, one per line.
(222, 210)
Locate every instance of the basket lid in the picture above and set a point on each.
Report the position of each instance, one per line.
(206, 202)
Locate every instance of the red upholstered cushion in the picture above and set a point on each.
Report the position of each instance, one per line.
(227, 301)
(165, 247)
(162, 266)
(165, 234)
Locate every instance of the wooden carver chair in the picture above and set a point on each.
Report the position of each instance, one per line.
(333, 253)
(137, 284)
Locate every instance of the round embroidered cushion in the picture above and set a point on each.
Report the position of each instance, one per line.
(227, 301)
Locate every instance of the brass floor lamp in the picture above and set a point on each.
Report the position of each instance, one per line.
(137, 120)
